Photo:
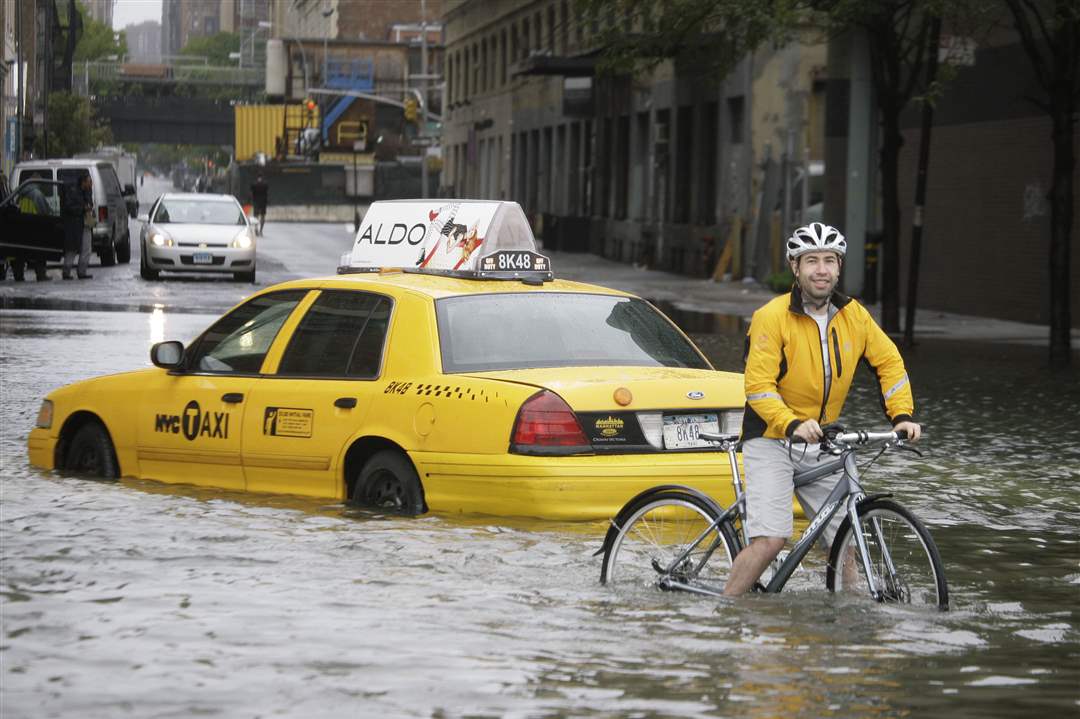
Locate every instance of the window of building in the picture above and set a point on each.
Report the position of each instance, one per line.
(736, 121)
(684, 144)
(707, 163)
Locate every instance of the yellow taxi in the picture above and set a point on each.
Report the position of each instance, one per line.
(442, 369)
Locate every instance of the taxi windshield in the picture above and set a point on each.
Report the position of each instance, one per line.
(479, 333)
(198, 212)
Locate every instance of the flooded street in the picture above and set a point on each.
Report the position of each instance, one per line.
(140, 599)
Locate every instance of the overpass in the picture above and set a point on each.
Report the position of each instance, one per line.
(170, 120)
(189, 103)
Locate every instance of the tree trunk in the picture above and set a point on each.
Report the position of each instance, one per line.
(1061, 218)
(891, 142)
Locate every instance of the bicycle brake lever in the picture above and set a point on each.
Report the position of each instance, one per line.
(908, 448)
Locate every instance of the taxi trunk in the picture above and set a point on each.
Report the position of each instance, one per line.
(627, 409)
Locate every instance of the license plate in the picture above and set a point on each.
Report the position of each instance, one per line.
(681, 431)
(202, 258)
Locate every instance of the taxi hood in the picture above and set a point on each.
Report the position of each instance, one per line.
(592, 389)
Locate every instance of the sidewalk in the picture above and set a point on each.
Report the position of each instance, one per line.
(741, 299)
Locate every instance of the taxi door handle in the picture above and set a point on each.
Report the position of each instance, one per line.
(232, 397)
(345, 402)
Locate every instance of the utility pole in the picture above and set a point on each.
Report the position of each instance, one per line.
(20, 75)
(920, 183)
(423, 96)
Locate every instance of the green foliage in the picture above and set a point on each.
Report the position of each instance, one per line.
(98, 41)
(701, 36)
(215, 48)
(780, 282)
(73, 126)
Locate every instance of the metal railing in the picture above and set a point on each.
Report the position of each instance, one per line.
(86, 74)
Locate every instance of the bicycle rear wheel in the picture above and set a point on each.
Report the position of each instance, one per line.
(670, 540)
(905, 561)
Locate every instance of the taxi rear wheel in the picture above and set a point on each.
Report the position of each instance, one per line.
(91, 452)
(389, 481)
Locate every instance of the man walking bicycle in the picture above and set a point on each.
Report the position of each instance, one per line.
(802, 349)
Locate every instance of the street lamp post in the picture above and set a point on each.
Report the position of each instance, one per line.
(326, 35)
(358, 146)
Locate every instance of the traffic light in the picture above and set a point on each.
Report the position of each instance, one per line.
(410, 110)
(310, 106)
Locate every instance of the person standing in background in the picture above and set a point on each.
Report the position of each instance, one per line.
(260, 198)
(77, 210)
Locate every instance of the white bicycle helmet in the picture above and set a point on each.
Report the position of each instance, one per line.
(815, 237)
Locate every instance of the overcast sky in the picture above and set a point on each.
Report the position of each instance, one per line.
(133, 12)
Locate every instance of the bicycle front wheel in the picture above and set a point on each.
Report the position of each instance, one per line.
(903, 558)
(672, 541)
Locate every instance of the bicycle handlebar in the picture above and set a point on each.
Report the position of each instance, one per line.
(858, 437)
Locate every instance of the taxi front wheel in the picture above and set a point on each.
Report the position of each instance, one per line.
(91, 452)
(389, 481)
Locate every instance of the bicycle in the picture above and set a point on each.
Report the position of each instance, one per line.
(677, 538)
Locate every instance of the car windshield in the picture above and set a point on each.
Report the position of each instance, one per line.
(198, 212)
(538, 329)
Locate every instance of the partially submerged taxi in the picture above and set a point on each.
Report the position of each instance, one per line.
(444, 369)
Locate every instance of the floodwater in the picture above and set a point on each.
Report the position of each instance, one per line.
(139, 599)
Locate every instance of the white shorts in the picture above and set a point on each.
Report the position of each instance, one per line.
(769, 467)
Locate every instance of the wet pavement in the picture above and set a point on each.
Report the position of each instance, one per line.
(134, 598)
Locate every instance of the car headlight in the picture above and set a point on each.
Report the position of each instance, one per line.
(160, 238)
(242, 241)
(44, 415)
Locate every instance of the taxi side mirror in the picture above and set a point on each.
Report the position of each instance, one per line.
(167, 355)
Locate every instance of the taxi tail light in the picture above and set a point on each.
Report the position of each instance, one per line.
(103, 214)
(545, 424)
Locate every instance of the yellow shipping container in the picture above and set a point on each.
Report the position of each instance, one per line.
(258, 127)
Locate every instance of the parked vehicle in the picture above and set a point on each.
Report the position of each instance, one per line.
(124, 164)
(197, 232)
(31, 228)
(109, 236)
(444, 368)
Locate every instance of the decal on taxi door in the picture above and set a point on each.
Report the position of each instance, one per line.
(194, 423)
(288, 422)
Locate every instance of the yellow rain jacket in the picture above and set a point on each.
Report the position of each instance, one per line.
(785, 374)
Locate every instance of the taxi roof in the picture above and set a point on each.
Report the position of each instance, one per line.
(441, 286)
(466, 238)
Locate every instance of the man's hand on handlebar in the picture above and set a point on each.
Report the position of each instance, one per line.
(914, 431)
(809, 432)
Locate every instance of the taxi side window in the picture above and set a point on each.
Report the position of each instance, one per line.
(341, 335)
(239, 341)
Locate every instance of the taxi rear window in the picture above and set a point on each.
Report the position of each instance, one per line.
(479, 333)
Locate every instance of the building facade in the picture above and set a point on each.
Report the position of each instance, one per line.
(663, 171)
(101, 10)
(144, 41)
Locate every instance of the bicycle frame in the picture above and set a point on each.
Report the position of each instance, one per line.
(847, 494)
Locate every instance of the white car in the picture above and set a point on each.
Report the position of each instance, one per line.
(195, 232)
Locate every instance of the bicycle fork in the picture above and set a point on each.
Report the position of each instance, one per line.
(864, 552)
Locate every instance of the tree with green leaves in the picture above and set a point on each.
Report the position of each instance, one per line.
(98, 41)
(72, 126)
(1050, 34)
(215, 48)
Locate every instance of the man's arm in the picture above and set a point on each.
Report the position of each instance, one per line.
(763, 361)
(883, 356)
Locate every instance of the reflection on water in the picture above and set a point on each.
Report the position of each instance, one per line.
(145, 599)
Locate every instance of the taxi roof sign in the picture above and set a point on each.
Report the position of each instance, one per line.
(443, 237)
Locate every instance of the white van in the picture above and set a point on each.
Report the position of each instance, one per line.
(110, 238)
